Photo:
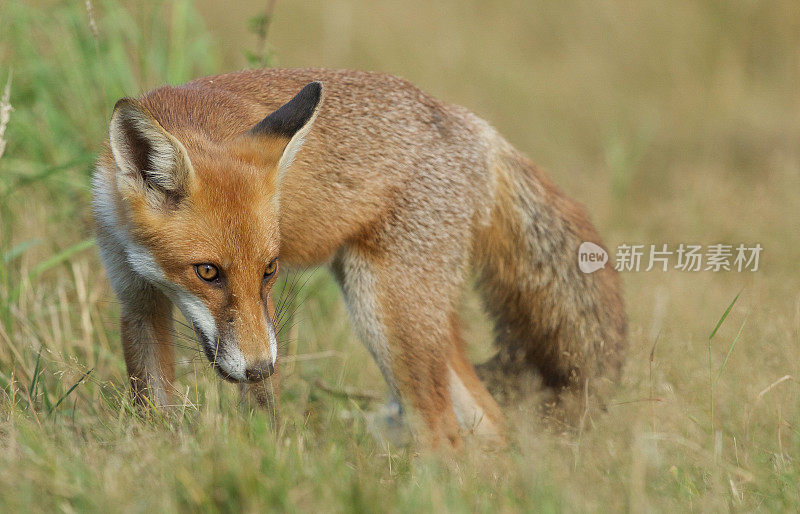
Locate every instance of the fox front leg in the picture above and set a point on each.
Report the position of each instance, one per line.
(146, 331)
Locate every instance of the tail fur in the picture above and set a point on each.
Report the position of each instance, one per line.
(549, 315)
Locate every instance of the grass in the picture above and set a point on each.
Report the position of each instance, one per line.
(673, 122)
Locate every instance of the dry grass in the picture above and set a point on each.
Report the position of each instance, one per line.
(674, 122)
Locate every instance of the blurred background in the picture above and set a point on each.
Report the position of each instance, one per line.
(672, 122)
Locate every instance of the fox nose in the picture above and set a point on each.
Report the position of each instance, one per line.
(259, 371)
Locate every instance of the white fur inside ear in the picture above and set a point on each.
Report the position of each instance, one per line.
(142, 148)
(296, 143)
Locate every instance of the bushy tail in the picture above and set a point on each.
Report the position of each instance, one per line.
(548, 314)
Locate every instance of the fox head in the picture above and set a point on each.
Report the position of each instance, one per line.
(202, 219)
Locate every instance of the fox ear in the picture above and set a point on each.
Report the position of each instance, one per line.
(292, 121)
(148, 158)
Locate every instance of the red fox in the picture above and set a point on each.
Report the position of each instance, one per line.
(205, 190)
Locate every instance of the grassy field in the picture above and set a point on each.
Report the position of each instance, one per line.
(674, 122)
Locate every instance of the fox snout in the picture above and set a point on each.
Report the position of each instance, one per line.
(243, 359)
(235, 366)
(259, 371)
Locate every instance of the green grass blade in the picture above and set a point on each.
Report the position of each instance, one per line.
(32, 387)
(48, 405)
(711, 380)
(26, 180)
(60, 257)
(19, 249)
(724, 315)
(730, 350)
(69, 391)
(52, 262)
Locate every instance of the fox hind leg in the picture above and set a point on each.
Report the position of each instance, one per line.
(404, 316)
(476, 410)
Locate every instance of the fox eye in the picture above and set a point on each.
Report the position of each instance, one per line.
(207, 272)
(272, 267)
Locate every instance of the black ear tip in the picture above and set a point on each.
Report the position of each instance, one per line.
(313, 90)
(293, 115)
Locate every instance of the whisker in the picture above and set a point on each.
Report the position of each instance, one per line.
(290, 324)
(299, 277)
(288, 279)
(181, 323)
(281, 323)
(293, 301)
(285, 298)
(282, 289)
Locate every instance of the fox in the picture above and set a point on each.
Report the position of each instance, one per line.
(203, 191)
